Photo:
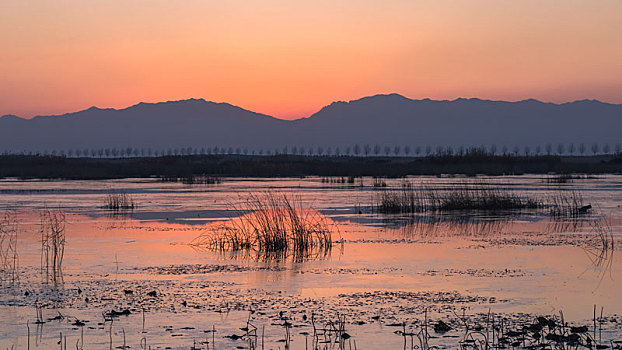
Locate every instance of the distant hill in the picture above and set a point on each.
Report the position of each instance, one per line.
(384, 120)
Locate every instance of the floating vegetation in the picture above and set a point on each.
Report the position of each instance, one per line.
(8, 248)
(52, 245)
(273, 225)
(119, 201)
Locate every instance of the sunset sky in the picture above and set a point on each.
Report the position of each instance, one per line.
(290, 58)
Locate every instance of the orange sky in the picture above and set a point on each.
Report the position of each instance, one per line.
(290, 58)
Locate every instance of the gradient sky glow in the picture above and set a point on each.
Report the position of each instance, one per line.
(290, 58)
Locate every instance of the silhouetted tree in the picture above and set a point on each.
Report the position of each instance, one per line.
(387, 150)
(549, 149)
(493, 149)
(406, 150)
(396, 150)
(606, 148)
(571, 148)
(538, 150)
(595, 148)
(504, 150)
(527, 151)
(428, 150)
(582, 148)
(337, 151)
(367, 149)
(377, 149)
(618, 148)
(357, 149)
(418, 150)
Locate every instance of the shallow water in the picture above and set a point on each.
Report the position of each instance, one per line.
(386, 269)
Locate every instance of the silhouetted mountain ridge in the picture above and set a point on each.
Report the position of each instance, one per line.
(385, 119)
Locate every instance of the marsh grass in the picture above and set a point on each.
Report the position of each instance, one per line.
(467, 196)
(8, 248)
(476, 196)
(601, 247)
(566, 178)
(567, 204)
(119, 201)
(270, 224)
(193, 179)
(52, 228)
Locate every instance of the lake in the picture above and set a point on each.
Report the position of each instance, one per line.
(134, 277)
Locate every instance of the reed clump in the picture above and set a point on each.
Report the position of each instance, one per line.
(270, 224)
(119, 201)
(193, 179)
(8, 248)
(52, 244)
(567, 204)
(468, 196)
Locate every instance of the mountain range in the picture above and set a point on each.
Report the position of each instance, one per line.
(385, 120)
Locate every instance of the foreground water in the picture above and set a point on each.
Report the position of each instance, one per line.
(385, 272)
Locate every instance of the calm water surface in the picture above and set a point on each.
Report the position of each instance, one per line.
(385, 269)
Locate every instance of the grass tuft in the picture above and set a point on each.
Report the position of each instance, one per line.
(273, 225)
(119, 201)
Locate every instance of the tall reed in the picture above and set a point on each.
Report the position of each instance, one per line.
(467, 196)
(8, 248)
(52, 227)
(119, 201)
(271, 224)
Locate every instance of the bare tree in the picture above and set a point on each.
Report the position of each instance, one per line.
(582, 148)
(357, 149)
(377, 149)
(560, 149)
(606, 148)
(396, 150)
(406, 150)
(493, 149)
(571, 148)
(595, 148)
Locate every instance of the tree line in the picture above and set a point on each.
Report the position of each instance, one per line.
(354, 150)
